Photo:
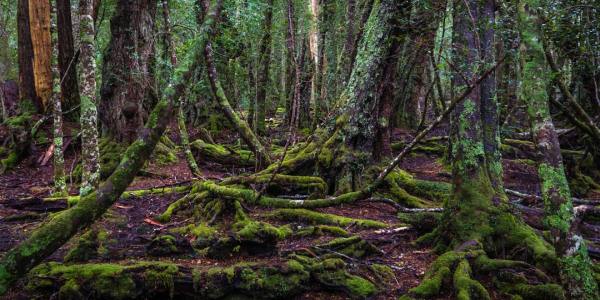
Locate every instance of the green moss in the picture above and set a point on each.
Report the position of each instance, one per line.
(320, 230)
(353, 246)
(110, 156)
(538, 292)
(254, 230)
(90, 245)
(164, 155)
(384, 273)
(9, 162)
(103, 280)
(467, 288)
(313, 217)
(161, 277)
(224, 155)
(437, 273)
(332, 273)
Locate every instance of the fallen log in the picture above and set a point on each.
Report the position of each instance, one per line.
(161, 280)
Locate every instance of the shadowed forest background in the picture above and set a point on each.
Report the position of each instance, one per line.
(304, 149)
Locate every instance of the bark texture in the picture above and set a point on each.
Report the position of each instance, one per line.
(66, 57)
(90, 175)
(26, 81)
(127, 73)
(39, 27)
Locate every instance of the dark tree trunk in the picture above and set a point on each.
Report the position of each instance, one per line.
(263, 71)
(66, 58)
(489, 103)
(26, 80)
(127, 74)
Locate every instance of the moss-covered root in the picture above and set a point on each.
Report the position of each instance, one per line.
(180, 204)
(414, 192)
(205, 152)
(313, 217)
(511, 277)
(351, 247)
(332, 274)
(110, 156)
(165, 152)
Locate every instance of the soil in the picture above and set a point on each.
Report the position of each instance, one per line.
(130, 233)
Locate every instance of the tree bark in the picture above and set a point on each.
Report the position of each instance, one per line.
(66, 58)
(26, 78)
(127, 75)
(39, 26)
(90, 175)
(489, 102)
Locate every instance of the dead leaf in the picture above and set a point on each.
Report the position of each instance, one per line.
(123, 206)
(152, 222)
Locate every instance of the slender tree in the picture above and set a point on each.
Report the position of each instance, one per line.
(90, 175)
(60, 186)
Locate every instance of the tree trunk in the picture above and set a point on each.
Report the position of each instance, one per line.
(39, 26)
(90, 175)
(127, 75)
(26, 78)
(575, 265)
(489, 102)
(66, 58)
(60, 185)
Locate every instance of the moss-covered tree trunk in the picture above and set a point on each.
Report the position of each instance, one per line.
(61, 227)
(90, 153)
(60, 185)
(575, 265)
(362, 98)
(127, 74)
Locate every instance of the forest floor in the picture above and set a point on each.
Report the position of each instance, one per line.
(130, 229)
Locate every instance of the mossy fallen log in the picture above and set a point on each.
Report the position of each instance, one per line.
(314, 218)
(273, 280)
(205, 152)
